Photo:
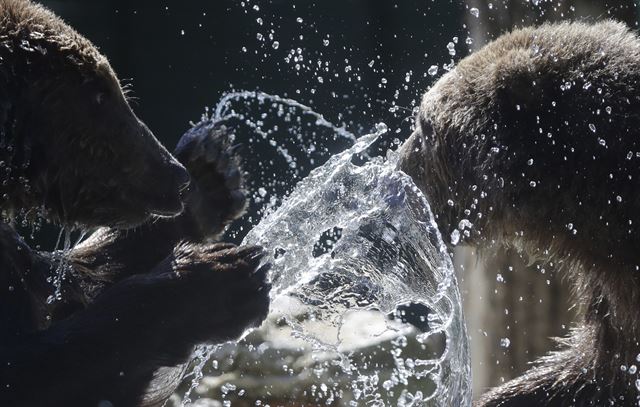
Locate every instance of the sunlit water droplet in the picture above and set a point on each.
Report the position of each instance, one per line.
(452, 48)
(455, 237)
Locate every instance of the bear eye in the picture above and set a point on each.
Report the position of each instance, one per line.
(100, 97)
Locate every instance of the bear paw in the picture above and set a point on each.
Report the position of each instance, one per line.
(225, 289)
(216, 195)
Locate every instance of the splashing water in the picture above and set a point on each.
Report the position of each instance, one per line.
(365, 304)
(60, 254)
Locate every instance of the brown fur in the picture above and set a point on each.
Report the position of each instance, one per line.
(567, 97)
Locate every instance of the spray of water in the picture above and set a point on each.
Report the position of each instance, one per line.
(64, 244)
(365, 301)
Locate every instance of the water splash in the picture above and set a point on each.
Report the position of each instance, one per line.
(60, 255)
(366, 308)
(201, 356)
(224, 109)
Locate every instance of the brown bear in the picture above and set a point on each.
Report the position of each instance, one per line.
(535, 141)
(134, 302)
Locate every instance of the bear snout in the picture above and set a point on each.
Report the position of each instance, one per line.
(172, 181)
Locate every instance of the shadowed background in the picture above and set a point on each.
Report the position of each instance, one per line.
(363, 62)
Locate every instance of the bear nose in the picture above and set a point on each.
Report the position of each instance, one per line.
(170, 190)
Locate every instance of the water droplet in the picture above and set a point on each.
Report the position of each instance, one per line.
(505, 342)
(592, 127)
(455, 237)
(465, 224)
(452, 48)
(433, 70)
(381, 128)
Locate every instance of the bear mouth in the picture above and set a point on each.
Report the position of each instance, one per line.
(132, 213)
(166, 206)
(112, 206)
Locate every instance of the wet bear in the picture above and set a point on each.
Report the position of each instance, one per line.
(535, 140)
(134, 302)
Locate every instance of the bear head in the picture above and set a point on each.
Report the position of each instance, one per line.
(71, 147)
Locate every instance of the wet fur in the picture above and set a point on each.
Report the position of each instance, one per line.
(140, 293)
(538, 93)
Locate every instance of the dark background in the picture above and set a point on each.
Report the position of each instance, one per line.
(183, 55)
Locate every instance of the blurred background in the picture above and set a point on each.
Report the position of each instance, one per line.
(358, 62)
